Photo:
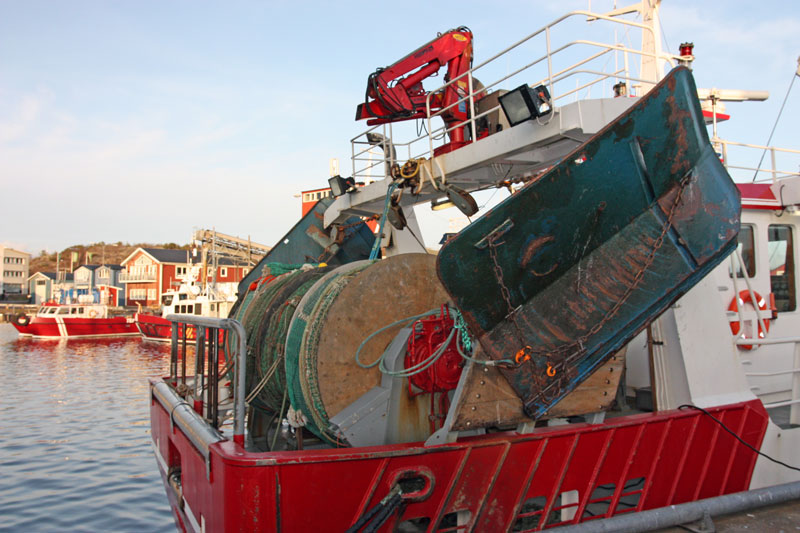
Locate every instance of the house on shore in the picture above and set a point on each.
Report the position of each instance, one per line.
(150, 272)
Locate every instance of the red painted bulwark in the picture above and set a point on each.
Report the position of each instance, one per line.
(490, 482)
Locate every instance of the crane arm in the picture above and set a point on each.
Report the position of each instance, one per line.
(395, 92)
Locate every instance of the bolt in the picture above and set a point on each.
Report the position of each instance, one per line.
(474, 408)
(477, 395)
(469, 424)
(483, 382)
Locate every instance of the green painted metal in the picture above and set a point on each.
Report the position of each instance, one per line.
(569, 269)
(309, 242)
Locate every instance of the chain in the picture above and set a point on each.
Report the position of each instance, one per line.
(526, 351)
(559, 357)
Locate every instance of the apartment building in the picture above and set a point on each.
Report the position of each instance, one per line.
(14, 268)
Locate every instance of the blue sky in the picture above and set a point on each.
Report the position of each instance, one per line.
(139, 121)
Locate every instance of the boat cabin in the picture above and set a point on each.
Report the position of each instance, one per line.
(73, 311)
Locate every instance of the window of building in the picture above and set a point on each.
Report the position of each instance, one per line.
(223, 272)
(746, 248)
(781, 267)
(180, 271)
(151, 294)
(138, 294)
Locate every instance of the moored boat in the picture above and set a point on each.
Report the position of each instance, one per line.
(482, 390)
(188, 298)
(74, 320)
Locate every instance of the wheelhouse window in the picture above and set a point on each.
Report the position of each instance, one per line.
(746, 248)
(781, 267)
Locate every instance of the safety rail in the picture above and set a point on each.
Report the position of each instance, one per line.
(788, 157)
(794, 402)
(209, 336)
(365, 161)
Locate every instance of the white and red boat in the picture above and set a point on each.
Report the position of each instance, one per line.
(619, 253)
(53, 321)
(188, 298)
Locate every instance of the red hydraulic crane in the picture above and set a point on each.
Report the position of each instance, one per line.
(395, 93)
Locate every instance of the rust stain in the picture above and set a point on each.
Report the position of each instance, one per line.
(533, 248)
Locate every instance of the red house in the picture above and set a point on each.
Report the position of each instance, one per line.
(148, 272)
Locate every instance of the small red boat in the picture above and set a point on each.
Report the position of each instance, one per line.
(77, 320)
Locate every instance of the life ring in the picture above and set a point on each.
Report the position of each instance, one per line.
(22, 319)
(747, 297)
(92, 313)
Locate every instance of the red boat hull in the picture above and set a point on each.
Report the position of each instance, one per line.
(156, 328)
(491, 482)
(57, 327)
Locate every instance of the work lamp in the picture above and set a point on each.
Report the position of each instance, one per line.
(340, 185)
(524, 103)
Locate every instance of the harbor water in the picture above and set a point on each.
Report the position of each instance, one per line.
(75, 452)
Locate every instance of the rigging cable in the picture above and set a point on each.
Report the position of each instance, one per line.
(758, 168)
(737, 437)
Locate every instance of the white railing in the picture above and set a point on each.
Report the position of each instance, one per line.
(369, 158)
(776, 166)
(794, 401)
(126, 277)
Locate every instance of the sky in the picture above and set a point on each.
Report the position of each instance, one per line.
(141, 121)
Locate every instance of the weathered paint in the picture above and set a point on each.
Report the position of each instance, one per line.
(569, 246)
(490, 480)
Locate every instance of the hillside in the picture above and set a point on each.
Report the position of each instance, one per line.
(94, 254)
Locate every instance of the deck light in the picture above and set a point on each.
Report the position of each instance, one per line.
(340, 185)
(524, 103)
(441, 204)
(456, 198)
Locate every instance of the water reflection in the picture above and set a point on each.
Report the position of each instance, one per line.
(75, 449)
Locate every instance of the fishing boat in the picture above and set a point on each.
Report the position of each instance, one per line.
(188, 298)
(53, 321)
(587, 353)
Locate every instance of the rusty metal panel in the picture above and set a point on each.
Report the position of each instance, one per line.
(565, 272)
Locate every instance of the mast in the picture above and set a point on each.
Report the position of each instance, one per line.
(652, 64)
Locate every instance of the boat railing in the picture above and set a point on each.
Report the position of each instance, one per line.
(767, 163)
(794, 401)
(738, 265)
(204, 385)
(368, 164)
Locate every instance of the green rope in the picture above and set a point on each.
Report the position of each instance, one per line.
(461, 325)
(402, 321)
(373, 254)
(422, 365)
